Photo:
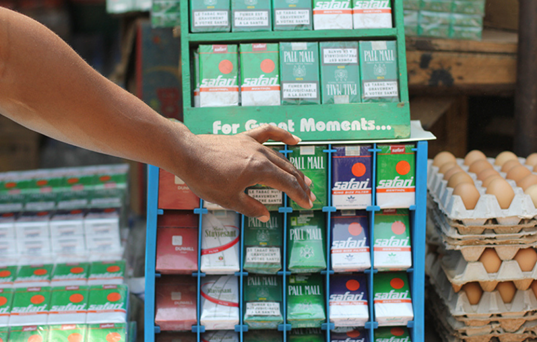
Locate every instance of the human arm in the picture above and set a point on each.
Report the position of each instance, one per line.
(47, 87)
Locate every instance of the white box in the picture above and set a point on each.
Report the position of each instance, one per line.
(33, 225)
(102, 221)
(67, 223)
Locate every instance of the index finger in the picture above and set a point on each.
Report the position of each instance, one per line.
(266, 132)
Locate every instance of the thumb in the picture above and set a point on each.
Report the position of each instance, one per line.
(253, 208)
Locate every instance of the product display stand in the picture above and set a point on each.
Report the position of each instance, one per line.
(416, 273)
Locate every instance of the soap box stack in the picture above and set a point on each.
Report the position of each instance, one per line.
(457, 19)
(482, 260)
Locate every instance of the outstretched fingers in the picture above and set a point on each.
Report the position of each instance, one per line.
(267, 132)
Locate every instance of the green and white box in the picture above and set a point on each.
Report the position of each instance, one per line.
(7, 276)
(379, 72)
(312, 161)
(115, 332)
(332, 14)
(251, 15)
(165, 13)
(70, 274)
(196, 78)
(292, 15)
(260, 74)
(4, 334)
(392, 299)
(210, 15)
(340, 73)
(30, 306)
(372, 14)
(219, 76)
(263, 244)
(299, 73)
(28, 333)
(68, 333)
(306, 247)
(68, 305)
(263, 299)
(393, 248)
(6, 299)
(305, 301)
(107, 272)
(34, 275)
(108, 304)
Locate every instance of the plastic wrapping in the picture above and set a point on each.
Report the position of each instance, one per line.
(379, 71)
(299, 68)
(263, 243)
(306, 242)
(312, 161)
(340, 74)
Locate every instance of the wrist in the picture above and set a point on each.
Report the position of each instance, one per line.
(179, 148)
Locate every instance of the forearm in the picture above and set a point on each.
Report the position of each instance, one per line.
(47, 87)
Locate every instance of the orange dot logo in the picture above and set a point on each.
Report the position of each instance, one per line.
(112, 269)
(37, 299)
(10, 185)
(397, 331)
(397, 283)
(355, 228)
(3, 300)
(398, 227)
(35, 338)
(358, 169)
(5, 273)
(353, 333)
(76, 298)
(74, 337)
(41, 182)
(402, 168)
(72, 180)
(105, 178)
(113, 297)
(40, 272)
(225, 66)
(267, 66)
(352, 285)
(113, 337)
(77, 270)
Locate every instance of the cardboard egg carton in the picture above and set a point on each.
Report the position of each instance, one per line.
(505, 252)
(490, 304)
(459, 272)
(487, 207)
(493, 231)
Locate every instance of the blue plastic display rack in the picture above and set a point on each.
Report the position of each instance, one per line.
(416, 273)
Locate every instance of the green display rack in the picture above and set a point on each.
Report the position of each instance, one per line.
(391, 120)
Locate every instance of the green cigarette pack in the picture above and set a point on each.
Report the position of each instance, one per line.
(306, 247)
(305, 301)
(312, 161)
(379, 72)
(263, 299)
(263, 244)
(210, 15)
(340, 73)
(251, 15)
(292, 15)
(299, 73)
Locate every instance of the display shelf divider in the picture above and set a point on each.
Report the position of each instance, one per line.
(199, 329)
(241, 282)
(328, 231)
(185, 55)
(151, 252)
(401, 51)
(286, 326)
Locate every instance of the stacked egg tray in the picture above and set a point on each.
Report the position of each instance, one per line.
(460, 238)
(416, 273)
(490, 320)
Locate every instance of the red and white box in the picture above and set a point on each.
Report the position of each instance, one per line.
(177, 243)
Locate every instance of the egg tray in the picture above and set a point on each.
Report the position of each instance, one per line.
(459, 272)
(490, 303)
(487, 207)
(457, 329)
(491, 232)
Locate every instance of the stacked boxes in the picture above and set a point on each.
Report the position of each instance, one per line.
(444, 18)
(296, 73)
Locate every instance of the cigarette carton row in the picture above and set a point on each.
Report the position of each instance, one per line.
(350, 236)
(64, 305)
(116, 332)
(351, 182)
(263, 298)
(281, 15)
(295, 73)
(83, 273)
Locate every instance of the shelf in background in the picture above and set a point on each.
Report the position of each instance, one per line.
(289, 35)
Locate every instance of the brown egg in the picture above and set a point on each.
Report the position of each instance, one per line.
(503, 192)
(451, 172)
(473, 292)
(518, 172)
(527, 181)
(490, 260)
(534, 287)
(479, 165)
(447, 166)
(486, 173)
(472, 156)
(507, 291)
(468, 193)
(459, 177)
(532, 191)
(443, 157)
(508, 165)
(526, 259)
(504, 157)
(489, 179)
(532, 159)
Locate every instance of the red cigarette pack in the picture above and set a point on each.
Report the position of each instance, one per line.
(175, 303)
(173, 193)
(177, 243)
